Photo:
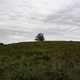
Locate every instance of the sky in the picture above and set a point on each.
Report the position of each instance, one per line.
(22, 20)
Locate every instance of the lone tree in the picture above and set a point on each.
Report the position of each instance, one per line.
(39, 37)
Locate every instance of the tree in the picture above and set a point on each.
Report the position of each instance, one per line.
(1, 44)
(39, 37)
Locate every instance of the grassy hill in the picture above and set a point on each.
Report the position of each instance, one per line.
(58, 60)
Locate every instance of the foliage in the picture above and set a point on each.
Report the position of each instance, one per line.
(40, 61)
(40, 37)
(1, 44)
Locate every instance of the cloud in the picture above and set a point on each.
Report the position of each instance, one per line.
(57, 19)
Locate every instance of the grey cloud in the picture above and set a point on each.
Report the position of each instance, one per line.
(20, 20)
(69, 16)
(9, 36)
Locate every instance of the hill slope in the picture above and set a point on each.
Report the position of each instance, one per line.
(40, 61)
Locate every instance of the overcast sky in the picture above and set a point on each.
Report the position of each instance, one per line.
(21, 20)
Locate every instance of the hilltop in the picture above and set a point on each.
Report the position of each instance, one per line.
(51, 60)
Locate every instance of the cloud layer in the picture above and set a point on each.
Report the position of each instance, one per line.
(21, 20)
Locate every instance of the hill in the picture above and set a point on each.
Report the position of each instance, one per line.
(56, 60)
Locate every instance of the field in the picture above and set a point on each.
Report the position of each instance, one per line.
(51, 60)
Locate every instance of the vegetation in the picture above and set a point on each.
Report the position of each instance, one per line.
(40, 61)
(40, 37)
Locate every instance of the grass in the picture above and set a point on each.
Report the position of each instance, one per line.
(55, 60)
